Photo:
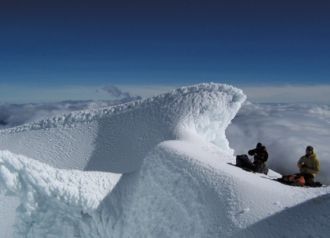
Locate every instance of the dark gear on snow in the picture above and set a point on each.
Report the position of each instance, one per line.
(260, 156)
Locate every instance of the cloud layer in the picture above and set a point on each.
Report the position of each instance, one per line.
(258, 94)
(289, 94)
(285, 129)
(115, 92)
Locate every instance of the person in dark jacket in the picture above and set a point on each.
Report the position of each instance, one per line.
(260, 156)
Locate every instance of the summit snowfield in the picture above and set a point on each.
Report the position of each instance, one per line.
(150, 168)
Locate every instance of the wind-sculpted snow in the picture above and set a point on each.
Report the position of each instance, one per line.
(77, 188)
(12, 115)
(177, 192)
(116, 139)
(52, 200)
(173, 179)
(309, 219)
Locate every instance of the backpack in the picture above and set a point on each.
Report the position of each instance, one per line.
(294, 180)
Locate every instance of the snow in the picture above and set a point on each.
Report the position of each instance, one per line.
(165, 174)
(17, 114)
(51, 196)
(98, 139)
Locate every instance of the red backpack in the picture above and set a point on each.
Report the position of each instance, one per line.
(295, 180)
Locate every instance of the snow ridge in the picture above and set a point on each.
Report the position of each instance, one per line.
(170, 155)
(114, 139)
(98, 139)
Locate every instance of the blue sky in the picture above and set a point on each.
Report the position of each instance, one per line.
(49, 44)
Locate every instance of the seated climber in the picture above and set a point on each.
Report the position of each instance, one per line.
(260, 156)
(309, 166)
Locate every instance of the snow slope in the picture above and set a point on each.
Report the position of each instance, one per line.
(12, 115)
(166, 173)
(98, 139)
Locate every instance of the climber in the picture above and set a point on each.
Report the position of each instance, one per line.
(260, 156)
(309, 166)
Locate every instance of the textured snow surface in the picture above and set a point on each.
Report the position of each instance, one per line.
(166, 174)
(51, 199)
(18, 114)
(117, 138)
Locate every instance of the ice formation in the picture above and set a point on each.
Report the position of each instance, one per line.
(165, 173)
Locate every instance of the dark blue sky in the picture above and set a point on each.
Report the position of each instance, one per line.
(164, 42)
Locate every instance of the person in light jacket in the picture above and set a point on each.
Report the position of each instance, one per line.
(309, 165)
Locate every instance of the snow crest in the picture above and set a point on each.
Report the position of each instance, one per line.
(116, 139)
(60, 198)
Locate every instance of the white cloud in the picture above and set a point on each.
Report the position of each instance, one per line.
(148, 90)
(26, 94)
(285, 129)
(289, 94)
(117, 93)
(276, 94)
